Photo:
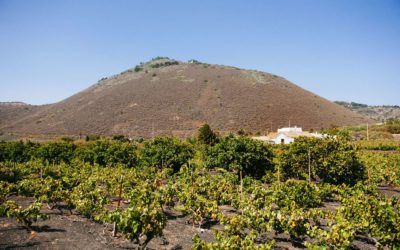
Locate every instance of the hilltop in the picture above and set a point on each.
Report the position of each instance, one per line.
(165, 96)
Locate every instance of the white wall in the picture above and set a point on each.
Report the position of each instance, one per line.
(286, 139)
(290, 129)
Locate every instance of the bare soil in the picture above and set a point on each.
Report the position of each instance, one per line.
(389, 191)
(64, 230)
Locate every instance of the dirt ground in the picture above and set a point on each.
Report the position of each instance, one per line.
(390, 191)
(64, 230)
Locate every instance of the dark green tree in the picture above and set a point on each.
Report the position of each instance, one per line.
(85, 153)
(205, 135)
(107, 153)
(17, 151)
(56, 152)
(330, 160)
(241, 154)
(121, 153)
(121, 138)
(92, 137)
(100, 148)
(2, 151)
(165, 152)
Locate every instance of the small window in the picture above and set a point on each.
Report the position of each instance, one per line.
(282, 141)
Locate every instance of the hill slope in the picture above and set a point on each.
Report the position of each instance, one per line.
(378, 113)
(13, 111)
(167, 97)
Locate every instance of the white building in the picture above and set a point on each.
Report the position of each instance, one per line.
(287, 135)
(290, 129)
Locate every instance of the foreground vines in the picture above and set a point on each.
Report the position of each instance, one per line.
(136, 200)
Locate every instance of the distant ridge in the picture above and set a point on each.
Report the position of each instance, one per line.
(13, 103)
(166, 96)
(376, 112)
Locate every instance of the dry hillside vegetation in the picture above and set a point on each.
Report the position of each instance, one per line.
(378, 113)
(167, 97)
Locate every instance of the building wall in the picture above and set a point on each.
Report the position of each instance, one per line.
(286, 139)
(290, 129)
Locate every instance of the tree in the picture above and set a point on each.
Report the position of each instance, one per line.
(56, 152)
(165, 152)
(330, 160)
(107, 153)
(92, 137)
(205, 135)
(121, 138)
(3, 146)
(85, 153)
(240, 154)
(121, 153)
(18, 151)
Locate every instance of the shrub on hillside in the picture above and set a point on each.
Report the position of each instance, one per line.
(138, 68)
(167, 63)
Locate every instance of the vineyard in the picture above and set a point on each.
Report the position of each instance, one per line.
(231, 192)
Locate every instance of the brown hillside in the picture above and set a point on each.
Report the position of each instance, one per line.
(177, 99)
(12, 111)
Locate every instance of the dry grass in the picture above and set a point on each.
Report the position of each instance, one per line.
(182, 98)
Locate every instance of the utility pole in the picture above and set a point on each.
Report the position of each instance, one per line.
(152, 130)
(367, 132)
(309, 165)
(279, 176)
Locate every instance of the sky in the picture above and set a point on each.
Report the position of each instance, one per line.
(338, 49)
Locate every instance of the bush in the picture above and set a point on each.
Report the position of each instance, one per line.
(300, 193)
(108, 153)
(26, 216)
(121, 138)
(121, 153)
(167, 63)
(66, 139)
(165, 152)
(381, 145)
(332, 161)
(391, 126)
(56, 152)
(205, 135)
(234, 153)
(18, 152)
(92, 137)
(138, 68)
(143, 217)
(160, 58)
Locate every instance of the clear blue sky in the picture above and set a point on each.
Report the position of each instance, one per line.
(339, 49)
